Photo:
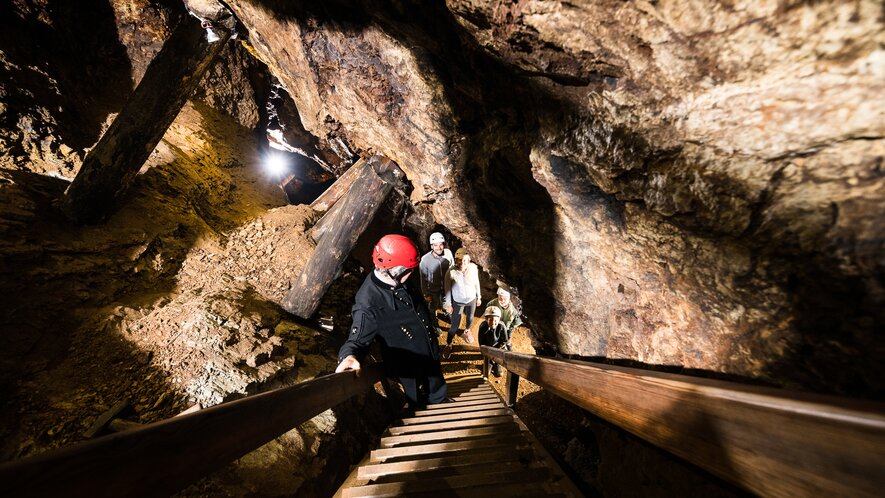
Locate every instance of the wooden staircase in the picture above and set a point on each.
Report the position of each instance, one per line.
(476, 446)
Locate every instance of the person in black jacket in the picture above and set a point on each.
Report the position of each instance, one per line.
(397, 315)
(492, 333)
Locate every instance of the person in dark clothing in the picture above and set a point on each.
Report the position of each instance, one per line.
(388, 310)
(492, 333)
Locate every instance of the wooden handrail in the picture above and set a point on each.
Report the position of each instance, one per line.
(161, 458)
(770, 441)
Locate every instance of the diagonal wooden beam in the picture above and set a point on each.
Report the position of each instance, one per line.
(170, 79)
(328, 198)
(345, 223)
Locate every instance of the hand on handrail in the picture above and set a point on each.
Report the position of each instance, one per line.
(348, 363)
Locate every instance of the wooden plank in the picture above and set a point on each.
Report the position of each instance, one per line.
(109, 168)
(355, 211)
(461, 404)
(469, 387)
(332, 194)
(102, 421)
(163, 457)
(372, 471)
(120, 425)
(439, 436)
(502, 465)
(447, 483)
(457, 416)
(487, 397)
(475, 390)
(450, 447)
(467, 378)
(462, 409)
(471, 396)
(462, 388)
(770, 441)
(471, 401)
(479, 422)
(519, 490)
(475, 395)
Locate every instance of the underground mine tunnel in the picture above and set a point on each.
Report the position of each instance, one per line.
(683, 200)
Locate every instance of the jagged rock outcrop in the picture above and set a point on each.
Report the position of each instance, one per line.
(693, 184)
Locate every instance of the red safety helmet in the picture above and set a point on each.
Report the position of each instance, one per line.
(396, 254)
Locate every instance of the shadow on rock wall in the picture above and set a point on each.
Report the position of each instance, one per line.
(76, 44)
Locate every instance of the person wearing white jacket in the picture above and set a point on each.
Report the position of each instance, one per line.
(462, 296)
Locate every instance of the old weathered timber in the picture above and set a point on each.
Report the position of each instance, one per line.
(770, 441)
(347, 220)
(332, 194)
(170, 79)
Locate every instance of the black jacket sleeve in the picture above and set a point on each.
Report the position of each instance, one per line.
(362, 332)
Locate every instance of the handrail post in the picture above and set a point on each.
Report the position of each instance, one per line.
(485, 367)
(512, 388)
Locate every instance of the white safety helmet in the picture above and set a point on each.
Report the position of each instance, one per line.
(492, 311)
(437, 238)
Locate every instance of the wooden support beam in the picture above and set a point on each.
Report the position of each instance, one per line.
(171, 77)
(350, 217)
(101, 423)
(332, 194)
(161, 458)
(333, 215)
(770, 441)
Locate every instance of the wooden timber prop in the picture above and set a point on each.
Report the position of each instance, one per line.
(328, 198)
(341, 227)
(770, 441)
(160, 458)
(110, 167)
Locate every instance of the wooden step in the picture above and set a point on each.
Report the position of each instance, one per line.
(474, 460)
(443, 406)
(447, 483)
(467, 399)
(465, 377)
(458, 470)
(461, 409)
(447, 417)
(383, 454)
(481, 387)
(440, 426)
(472, 392)
(468, 433)
(470, 388)
(475, 393)
(538, 489)
(520, 444)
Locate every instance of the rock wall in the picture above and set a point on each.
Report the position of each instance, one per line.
(688, 184)
(171, 301)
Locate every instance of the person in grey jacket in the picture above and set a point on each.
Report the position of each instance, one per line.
(433, 269)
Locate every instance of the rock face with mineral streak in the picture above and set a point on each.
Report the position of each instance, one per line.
(694, 184)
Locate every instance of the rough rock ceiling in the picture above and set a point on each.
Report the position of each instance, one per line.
(695, 184)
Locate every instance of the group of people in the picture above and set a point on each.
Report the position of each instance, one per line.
(452, 284)
(404, 319)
